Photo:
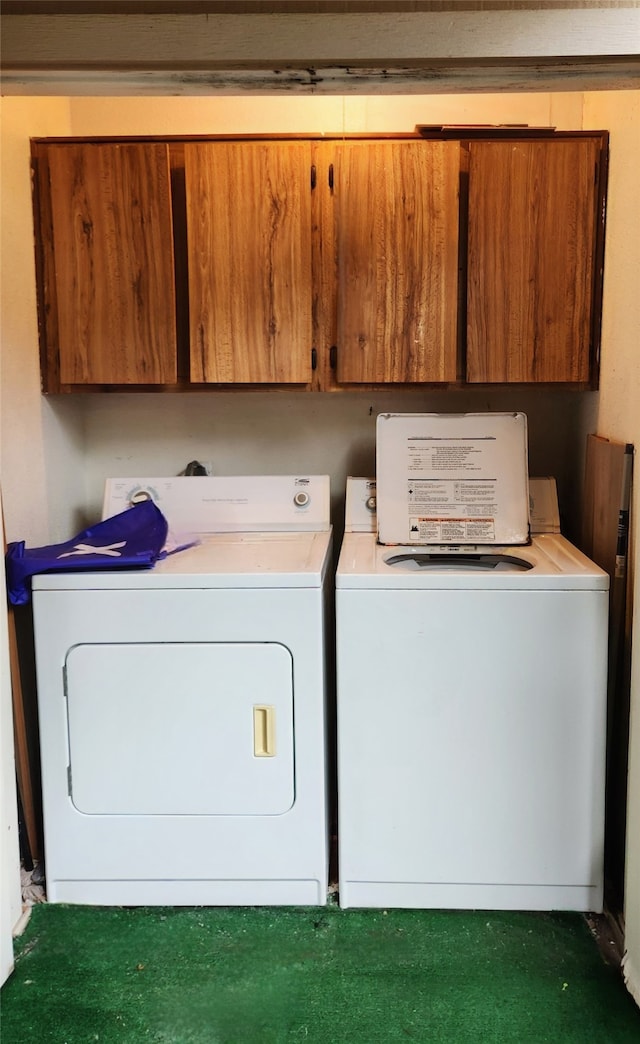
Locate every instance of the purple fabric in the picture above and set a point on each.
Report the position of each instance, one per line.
(133, 539)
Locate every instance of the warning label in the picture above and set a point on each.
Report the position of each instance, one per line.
(452, 530)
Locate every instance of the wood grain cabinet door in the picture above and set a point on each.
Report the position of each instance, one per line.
(112, 319)
(249, 259)
(530, 282)
(396, 221)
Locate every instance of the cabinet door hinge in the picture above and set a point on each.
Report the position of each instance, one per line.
(313, 176)
(331, 176)
(314, 359)
(333, 356)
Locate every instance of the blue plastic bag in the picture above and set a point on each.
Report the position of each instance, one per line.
(133, 539)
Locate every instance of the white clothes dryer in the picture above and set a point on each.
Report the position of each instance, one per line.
(182, 708)
(471, 721)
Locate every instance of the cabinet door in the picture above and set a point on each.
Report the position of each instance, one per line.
(249, 257)
(530, 290)
(112, 319)
(397, 255)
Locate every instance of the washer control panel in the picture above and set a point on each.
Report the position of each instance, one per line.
(360, 506)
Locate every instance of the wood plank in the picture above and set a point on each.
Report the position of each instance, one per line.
(47, 301)
(114, 270)
(531, 244)
(604, 469)
(425, 48)
(397, 235)
(233, 40)
(24, 768)
(432, 77)
(605, 529)
(26, 776)
(282, 6)
(249, 249)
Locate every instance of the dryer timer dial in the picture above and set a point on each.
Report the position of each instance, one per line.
(301, 499)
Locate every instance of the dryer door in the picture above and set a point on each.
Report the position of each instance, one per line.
(180, 728)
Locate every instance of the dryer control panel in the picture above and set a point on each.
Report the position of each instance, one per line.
(229, 504)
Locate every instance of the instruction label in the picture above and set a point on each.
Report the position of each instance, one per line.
(447, 479)
(450, 511)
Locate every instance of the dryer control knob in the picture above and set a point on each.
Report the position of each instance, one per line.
(301, 499)
(139, 497)
(371, 503)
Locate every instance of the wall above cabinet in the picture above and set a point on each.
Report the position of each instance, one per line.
(319, 263)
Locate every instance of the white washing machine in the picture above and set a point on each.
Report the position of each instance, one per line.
(182, 708)
(471, 702)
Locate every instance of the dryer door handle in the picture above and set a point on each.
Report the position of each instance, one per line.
(264, 731)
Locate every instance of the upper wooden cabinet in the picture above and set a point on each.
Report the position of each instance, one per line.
(320, 263)
(532, 270)
(396, 228)
(107, 288)
(249, 261)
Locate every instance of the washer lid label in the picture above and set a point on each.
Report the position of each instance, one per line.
(452, 478)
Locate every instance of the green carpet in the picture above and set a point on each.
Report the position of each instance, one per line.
(323, 976)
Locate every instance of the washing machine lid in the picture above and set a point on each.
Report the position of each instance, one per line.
(223, 560)
(447, 479)
(549, 562)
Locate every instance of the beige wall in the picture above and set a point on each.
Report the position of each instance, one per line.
(56, 452)
(41, 454)
(316, 115)
(619, 413)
